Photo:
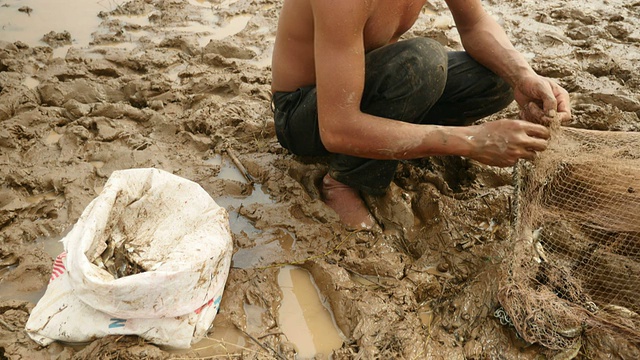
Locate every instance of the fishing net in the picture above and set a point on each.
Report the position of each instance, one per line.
(575, 271)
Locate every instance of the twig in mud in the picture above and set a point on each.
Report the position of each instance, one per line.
(222, 344)
(8, 326)
(234, 157)
(378, 283)
(487, 203)
(271, 334)
(264, 346)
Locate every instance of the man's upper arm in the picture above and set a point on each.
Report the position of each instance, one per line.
(466, 13)
(339, 65)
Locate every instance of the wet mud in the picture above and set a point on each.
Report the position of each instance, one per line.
(183, 85)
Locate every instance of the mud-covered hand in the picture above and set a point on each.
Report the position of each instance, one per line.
(504, 142)
(542, 101)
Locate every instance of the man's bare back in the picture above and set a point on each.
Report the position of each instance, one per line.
(293, 56)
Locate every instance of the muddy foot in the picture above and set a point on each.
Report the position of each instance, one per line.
(346, 201)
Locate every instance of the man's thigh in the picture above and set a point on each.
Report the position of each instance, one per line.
(472, 92)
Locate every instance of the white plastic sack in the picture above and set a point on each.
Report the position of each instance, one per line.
(174, 230)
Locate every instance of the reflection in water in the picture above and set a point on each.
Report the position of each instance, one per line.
(228, 171)
(304, 319)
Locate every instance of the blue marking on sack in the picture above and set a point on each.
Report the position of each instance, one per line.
(216, 302)
(117, 323)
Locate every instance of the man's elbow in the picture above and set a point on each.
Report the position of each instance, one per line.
(337, 136)
(334, 141)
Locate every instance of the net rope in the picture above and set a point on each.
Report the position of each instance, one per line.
(575, 267)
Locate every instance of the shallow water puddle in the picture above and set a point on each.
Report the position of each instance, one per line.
(52, 246)
(221, 340)
(208, 32)
(229, 171)
(80, 19)
(34, 199)
(13, 290)
(140, 20)
(304, 318)
(75, 16)
(426, 315)
(269, 248)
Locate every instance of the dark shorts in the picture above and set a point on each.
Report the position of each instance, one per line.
(413, 81)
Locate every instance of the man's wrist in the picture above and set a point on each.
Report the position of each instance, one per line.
(461, 140)
(518, 74)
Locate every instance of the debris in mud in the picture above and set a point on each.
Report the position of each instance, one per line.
(57, 39)
(116, 260)
(26, 9)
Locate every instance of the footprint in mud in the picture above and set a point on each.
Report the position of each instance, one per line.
(8, 261)
(393, 211)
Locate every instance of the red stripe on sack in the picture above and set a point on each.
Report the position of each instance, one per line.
(58, 267)
(199, 310)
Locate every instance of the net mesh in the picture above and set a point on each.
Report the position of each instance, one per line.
(575, 270)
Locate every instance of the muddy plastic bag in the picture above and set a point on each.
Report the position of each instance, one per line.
(149, 256)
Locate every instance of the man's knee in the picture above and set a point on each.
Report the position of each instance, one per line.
(426, 62)
(408, 62)
(404, 79)
(425, 53)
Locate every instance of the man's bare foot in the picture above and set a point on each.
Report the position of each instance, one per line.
(346, 201)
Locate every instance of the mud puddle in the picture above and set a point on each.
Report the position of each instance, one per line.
(304, 318)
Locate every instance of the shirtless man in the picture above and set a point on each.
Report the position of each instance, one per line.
(344, 85)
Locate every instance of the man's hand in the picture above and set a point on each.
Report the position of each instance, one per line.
(542, 101)
(504, 142)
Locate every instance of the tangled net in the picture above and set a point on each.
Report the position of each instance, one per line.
(575, 272)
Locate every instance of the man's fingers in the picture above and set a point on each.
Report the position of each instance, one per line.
(537, 145)
(564, 117)
(549, 102)
(537, 131)
(536, 114)
(530, 155)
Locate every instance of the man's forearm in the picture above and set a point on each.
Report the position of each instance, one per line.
(488, 44)
(386, 139)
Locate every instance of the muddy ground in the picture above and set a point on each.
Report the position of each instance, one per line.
(148, 91)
